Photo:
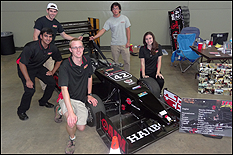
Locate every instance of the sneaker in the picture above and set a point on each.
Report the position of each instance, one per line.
(58, 117)
(70, 147)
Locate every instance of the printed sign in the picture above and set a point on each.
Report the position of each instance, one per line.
(208, 117)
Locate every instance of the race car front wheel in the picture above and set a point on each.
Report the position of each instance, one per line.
(91, 120)
(152, 85)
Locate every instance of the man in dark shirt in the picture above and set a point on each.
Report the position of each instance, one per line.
(75, 80)
(30, 65)
(50, 22)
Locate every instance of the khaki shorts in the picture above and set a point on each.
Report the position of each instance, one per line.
(79, 109)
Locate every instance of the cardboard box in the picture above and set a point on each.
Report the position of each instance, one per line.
(136, 50)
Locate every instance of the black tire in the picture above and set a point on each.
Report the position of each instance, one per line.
(152, 85)
(91, 120)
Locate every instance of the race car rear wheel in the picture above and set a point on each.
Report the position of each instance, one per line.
(152, 85)
(91, 120)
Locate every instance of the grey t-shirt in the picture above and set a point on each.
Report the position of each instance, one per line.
(118, 28)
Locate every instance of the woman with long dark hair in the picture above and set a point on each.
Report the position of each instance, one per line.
(150, 57)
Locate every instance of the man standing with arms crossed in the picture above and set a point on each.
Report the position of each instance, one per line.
(120, 28)
(50, 22)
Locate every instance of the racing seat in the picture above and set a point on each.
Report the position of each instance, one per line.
(190, 30)
(184, 52)
(219, 38)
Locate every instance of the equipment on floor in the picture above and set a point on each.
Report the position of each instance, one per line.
(89, 26)
(185, 53)
(131, 50)
(115, 146)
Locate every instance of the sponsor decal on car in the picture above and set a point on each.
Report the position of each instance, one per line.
(128, 100)
(129, 81)
(173, 100)
(142, 94)
(143, 133)
(164, 114)
(136, 87)
(110, 69)
(111, 131)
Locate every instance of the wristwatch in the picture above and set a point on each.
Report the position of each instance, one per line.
(90, 94)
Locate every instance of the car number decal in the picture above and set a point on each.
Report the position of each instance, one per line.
(119, 76)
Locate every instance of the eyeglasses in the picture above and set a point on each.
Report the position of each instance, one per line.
(75, 48)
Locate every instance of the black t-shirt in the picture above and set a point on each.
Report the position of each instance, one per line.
(43, 22)
(150, 60)
(34, 55)
(75, 77)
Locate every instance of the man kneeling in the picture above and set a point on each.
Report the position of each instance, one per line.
(75, 80)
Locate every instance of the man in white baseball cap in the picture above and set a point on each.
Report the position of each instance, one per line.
(49, 21)
(52, 6)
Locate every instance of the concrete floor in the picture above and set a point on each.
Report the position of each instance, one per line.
(40, 134)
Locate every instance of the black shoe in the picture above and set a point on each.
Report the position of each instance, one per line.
(47, 104)
(23, 116)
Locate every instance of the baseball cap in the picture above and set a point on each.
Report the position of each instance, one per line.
(52, 6)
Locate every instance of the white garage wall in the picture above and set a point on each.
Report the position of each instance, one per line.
(18, 17)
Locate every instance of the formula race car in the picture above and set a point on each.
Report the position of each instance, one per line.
(131, 109)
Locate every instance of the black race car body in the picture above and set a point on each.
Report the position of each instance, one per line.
(128, 108)
(143, 118)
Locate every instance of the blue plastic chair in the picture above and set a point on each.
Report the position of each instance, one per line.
(189, 30)
(184, 52)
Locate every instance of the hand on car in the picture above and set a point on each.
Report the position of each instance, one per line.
(145, 76)
(91, 38)
(159, 75)
(92, 100)
(80, 37)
